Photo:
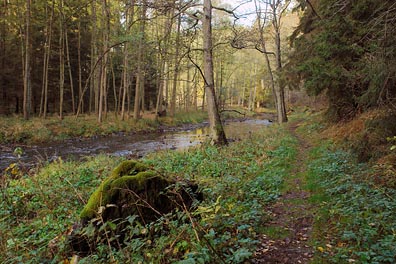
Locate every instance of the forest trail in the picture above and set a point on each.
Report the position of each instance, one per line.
(286, 236)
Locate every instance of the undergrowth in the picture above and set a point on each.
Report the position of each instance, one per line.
(356, 222)
(14, 129)
(37, 211)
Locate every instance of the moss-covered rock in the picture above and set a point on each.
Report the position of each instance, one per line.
(132, 189)
(131, 171)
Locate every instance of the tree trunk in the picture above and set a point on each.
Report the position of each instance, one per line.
(176, 68)
(125, 79)
(26, 78)
(216, 127)
(70, 72)
(188, 92)
(103, 75)
(80, 88)
(275, 89)
(281, 107)
(140, 69)
(93, 81)
(47, 55)
(160, 84)
(129, 16)
(195, 90)
(166, 84)
(113, 79)
(61, 60)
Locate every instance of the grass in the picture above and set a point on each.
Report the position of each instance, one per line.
(35, 130)
(37, 210)
(355, 220)
(14, 129)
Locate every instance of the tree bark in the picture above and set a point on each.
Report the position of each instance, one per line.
(47, 55)
(93, 81)
(61, 60)
(103, 76)
(140, 68)
(80, 88)
(281, 107)
(125, 79)
(26, 80)
(129, 16)
(277, 90)
(70, 72)
(176, 68)
(216, 127)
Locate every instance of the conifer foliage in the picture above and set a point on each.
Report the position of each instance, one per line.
(344, 48)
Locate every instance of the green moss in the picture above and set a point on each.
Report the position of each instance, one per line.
(137, 182)
(129, 174)
(129, 167)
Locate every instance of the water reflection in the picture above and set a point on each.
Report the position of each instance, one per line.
(128, 145)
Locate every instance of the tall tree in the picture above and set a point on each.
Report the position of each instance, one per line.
(46, 60)
(61, 58)
(93, 84)
(140, 68)
(103, 72)
(27, 88)
(176, 65)
(216, 127)
(129, 17)
(273, 12)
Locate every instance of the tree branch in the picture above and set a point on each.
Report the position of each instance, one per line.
(231, 12)
(313, 9)
(197, 66)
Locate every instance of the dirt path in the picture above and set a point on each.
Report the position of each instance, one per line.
(286, 236)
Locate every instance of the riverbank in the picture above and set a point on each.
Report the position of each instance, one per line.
(128, 145)
(248, 186)
(15, 130)
(37, 130)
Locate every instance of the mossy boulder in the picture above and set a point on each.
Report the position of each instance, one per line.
(132, 189)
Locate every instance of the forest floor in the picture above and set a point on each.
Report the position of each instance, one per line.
(288, 194)
(287, 235)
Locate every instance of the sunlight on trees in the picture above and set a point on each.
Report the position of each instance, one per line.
(129, 57)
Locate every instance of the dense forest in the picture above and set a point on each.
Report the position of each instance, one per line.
(128, 56)
(317, 186)
(346, 50)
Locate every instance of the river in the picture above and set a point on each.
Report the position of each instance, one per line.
(134, 145)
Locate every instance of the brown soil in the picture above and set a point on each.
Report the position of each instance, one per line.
(291, 226)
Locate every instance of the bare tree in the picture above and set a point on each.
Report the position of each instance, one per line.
(216, 127)
(274, 10)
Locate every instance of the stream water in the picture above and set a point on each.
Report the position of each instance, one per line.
(126, 144)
